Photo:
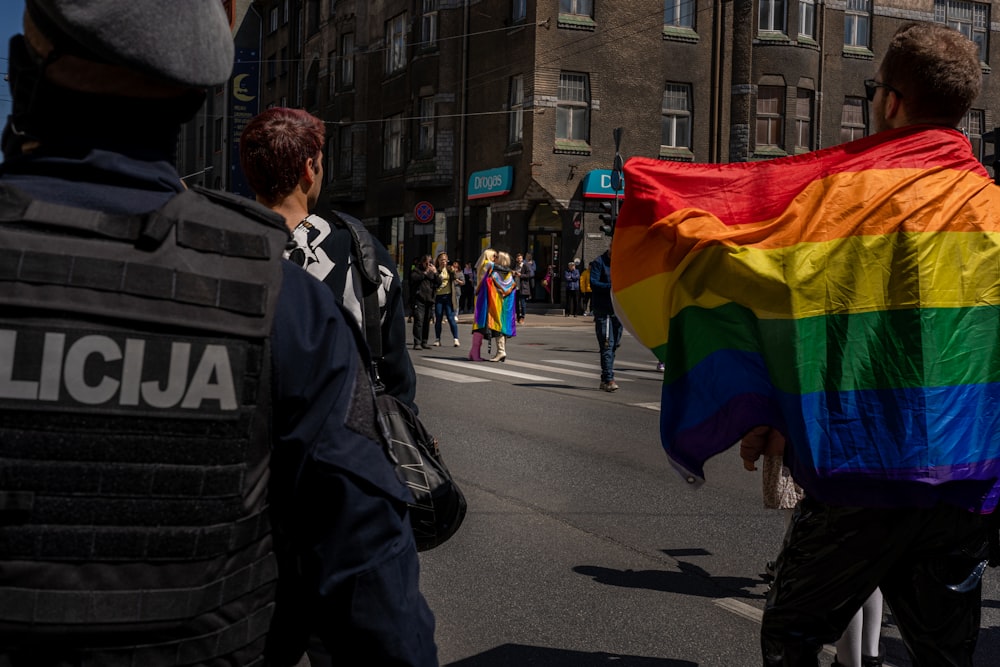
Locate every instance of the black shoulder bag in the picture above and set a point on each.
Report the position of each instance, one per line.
(438, 506)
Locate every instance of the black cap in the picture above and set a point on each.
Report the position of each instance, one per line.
(185, 42)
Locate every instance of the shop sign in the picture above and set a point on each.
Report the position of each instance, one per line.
(491, 182)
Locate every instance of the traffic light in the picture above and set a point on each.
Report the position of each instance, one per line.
(607, 217)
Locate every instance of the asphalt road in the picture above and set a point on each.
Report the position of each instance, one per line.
(582, 547)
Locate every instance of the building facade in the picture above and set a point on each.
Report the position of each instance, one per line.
(457, 124)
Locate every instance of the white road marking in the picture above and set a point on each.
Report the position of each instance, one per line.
(487, 367)
(445, 375)
(648, 406)
(553, 369)
(597, 368)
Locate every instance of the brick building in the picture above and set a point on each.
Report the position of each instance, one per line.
(453, 124)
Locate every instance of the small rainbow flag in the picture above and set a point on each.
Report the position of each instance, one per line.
(848, 297)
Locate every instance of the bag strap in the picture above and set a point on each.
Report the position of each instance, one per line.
(367, 280)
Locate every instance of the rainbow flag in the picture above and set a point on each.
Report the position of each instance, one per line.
(849, 298)
(495, 307)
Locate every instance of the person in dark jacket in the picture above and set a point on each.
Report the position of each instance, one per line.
(571, 278)
(281, 152)
(219, 394)
(606, 324)
(424, 282)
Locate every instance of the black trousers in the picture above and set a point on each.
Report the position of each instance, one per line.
(423, 312)
(573, 302)
(924, 560)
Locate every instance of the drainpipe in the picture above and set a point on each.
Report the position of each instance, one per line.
(463, 110)
(715, 107)
(741, 114)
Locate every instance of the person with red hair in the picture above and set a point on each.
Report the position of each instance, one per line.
(281, 153)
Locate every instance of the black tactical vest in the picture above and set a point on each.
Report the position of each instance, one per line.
(135, 432)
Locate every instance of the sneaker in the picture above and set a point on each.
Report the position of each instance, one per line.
(659, 367)
(437, 343)
(609, 386)
(457, 343)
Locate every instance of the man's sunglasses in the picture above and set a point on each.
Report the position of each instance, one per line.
(871, 85)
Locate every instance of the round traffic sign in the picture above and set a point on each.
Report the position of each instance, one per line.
(423, 211)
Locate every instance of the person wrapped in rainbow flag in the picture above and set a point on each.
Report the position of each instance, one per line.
(846, 304)
(495, 314)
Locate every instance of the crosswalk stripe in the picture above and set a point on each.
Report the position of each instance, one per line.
(648, 406)
(597, 367)
(445, 375)
(564, 371)
(486, 367)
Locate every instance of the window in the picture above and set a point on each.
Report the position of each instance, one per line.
(392, 142)
(676, 124)
(331, 73)
(347, 60)
(429, 24)
(312, 17)
(425, 138)
(678, 13)
(272, 20)
(286, 14)
(217, 135)
(772, 16)
(297, 82)
(311, 90)
(857, 23)
(329, 159)
(573, 106)
(518, 10)
(972, 125)
(803, 119)
(579, 7)
(272, 68)
(807, 18)
(852, 119)
(395, 43)
(515, 102)
(972, 19)
(770, 114)
(345, 154)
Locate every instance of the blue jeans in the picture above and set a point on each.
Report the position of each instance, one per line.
(609, 337)
(444, 307)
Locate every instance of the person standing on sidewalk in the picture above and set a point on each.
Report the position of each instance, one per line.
(572, 277)
(606, 323)
(424, 281)
(522, 274)
(585, 292)
(444, 298)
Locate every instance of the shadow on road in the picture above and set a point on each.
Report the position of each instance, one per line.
(526, 656)
(691, 580)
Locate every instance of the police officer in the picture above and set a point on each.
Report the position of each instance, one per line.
(191, 469)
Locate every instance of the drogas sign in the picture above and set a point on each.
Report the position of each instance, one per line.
(491, 182)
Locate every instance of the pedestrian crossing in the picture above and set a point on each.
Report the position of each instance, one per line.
(554, 371)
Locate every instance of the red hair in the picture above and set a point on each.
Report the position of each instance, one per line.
(273, 147)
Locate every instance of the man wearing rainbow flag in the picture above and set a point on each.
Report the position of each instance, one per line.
(845, 304)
